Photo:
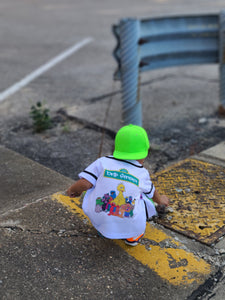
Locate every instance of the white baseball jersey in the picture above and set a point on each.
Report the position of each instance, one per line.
(115, 203)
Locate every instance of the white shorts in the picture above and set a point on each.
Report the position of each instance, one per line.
(149, 207)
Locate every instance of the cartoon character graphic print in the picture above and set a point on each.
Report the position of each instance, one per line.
(114, 203)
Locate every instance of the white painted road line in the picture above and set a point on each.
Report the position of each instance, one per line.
(26, 80)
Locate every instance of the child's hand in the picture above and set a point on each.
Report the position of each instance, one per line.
(164, 200)
(78, 188)
(161, 199)
(70, 193)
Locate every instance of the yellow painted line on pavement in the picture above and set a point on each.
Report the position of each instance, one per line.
(71, 203)
(168, 260)
(157, 250)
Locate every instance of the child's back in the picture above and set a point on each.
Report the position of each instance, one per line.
(114, 204)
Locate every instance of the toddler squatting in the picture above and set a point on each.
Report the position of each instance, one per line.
(119, 188)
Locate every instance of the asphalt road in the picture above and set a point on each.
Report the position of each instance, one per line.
(33, 33)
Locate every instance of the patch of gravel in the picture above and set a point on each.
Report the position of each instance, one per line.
(70, 145)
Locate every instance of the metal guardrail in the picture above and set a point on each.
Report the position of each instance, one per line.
(149, 44)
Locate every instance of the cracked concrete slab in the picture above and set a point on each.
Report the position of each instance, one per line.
(49, 252)
(45, 249)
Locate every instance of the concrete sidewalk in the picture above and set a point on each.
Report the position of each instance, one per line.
(50, 251)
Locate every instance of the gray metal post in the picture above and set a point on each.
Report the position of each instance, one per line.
(131, 104)
(222, 58)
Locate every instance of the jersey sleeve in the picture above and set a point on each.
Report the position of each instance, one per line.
(92, 172)
(148, 187)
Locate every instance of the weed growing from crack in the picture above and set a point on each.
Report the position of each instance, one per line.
(40, 116)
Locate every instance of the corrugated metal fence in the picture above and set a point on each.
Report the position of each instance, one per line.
(150, 44)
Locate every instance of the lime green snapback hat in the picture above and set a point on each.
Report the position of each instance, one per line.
(131, 142)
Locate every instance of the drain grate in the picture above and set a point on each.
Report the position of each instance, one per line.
(197, 193)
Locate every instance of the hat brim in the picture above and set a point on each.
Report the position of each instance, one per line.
(130, 156)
